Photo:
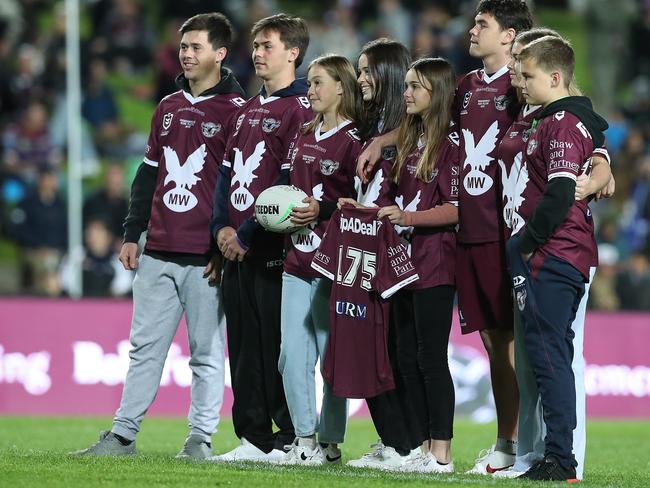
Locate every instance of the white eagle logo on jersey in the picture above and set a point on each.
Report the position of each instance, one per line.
(241, 198)
(476, 182)
(179, 198)
(370, 196)
(411, 207)
(514, 185)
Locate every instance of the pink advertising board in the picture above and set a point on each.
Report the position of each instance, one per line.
(60, 357)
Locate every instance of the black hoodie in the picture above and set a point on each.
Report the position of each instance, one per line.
(560, 192)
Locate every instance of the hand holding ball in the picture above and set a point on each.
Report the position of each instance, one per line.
(274, 205)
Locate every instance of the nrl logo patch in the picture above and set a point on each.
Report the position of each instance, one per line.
(532, 145)
(269, 125)
(167, 121)
(327, 166)
(501, 102)
(466, 99)
(521, 299)
(240, 119)
(209, 129)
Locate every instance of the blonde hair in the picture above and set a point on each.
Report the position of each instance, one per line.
(341, 70)
(552, 53)
(437, 76)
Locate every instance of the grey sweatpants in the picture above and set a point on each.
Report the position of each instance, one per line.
(162, 291)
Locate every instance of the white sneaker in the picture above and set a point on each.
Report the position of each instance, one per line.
(381, 457)
(490, 461)
(426, 462)
(248, 452)
(303, 450)
(508, 473)
(330, 454)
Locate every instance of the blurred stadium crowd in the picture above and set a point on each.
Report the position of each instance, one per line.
(129, 59)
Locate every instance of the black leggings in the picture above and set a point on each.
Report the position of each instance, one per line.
(423, 331)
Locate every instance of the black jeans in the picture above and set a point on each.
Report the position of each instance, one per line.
(423, 338)
(252, 295)
(392, 411)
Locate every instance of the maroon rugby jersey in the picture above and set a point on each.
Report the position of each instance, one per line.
(258, 148)
(380, 189)
(561, 147)
(323, 165)
(186, 144)
(367, 263)
(433, 249)
(485, 109)
(510, 152)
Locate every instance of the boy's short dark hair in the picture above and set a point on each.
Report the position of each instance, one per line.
(552, 53)
(292, 30)
(510, 14)
(217, 25)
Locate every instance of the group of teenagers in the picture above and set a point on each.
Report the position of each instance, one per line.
(485, 177)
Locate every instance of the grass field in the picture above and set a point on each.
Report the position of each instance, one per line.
(33, 453)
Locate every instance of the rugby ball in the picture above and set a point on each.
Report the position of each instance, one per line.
(274, 205)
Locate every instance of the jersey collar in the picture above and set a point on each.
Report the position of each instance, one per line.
(489, 79)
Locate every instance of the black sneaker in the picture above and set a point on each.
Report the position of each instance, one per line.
(550, 469)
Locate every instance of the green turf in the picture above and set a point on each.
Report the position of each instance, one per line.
(33, 453)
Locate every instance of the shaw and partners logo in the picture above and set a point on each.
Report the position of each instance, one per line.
(356, 226)
(29, 370)
(354, 310)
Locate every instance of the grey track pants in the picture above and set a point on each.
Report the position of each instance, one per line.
(162, 291)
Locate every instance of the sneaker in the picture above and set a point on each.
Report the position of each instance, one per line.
(490, 461)
(508, 473)
(426, 462)
(107, 445)
(304, 451)
(381, 457)
(330, 454)
(550, 469)
(247, 451)
(195, 447)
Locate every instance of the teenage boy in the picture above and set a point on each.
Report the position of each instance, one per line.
(486, 106)
(179, 271)
(255, 159)
(550, 257)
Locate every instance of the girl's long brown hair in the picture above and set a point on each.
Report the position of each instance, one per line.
(341, 70)
(437, 76)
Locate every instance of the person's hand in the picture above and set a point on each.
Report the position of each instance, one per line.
(583, 187)
(229, 244)
(368, 158)
(212, 270)
(129, 255)
(349, 201)
(608, 191)
(306, 215)
(396, 215)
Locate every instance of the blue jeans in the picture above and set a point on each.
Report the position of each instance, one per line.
(548, 301)
(305, 330)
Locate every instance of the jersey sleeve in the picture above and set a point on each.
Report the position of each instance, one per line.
(563, 148)
(394, 267)
(153, 151)
(325, 259)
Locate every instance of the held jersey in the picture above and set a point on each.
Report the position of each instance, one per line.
(433, 249)
(485, 107)
(510, 156)
(561, 147)
(323, 165)
(380, 189)
(367, 263)
(186, 144)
